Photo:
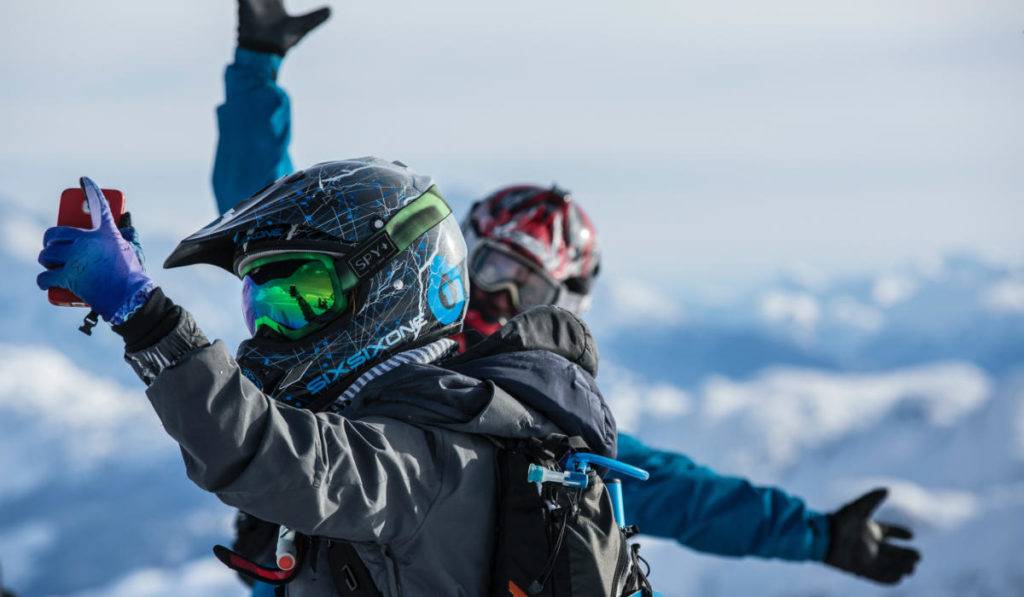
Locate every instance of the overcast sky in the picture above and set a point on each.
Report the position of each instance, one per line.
(710, 140)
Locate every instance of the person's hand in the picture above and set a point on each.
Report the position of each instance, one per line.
(861, 546)
(264, 26)
(98, 264)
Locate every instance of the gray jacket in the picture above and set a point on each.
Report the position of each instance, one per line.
(405, 473)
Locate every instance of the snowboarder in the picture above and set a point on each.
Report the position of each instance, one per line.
(683, 501)
(344, 417)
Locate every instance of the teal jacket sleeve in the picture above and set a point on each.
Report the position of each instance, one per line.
(717, 514)
(254, 126)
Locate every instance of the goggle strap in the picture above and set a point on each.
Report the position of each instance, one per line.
(408, 224)
(479, 255)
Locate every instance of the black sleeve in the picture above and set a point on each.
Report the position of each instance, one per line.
(147, 326)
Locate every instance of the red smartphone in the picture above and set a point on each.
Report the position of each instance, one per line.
(74, 211)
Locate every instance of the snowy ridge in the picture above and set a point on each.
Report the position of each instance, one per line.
(956, 473)
(912, 379)
(784, 411)
(91, 484)
(46, 400)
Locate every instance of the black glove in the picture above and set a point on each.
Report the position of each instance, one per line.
(255, 539)
(859, 544)
(264, 26)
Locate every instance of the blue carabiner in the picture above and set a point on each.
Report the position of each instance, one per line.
(579, 461)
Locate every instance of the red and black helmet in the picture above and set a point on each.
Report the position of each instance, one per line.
(528, 246)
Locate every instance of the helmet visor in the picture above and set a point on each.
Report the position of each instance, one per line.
(292, 294)
(494, 268)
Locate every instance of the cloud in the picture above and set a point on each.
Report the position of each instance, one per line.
(890, 290)
(22, 237)
(1005, 296)
(798, 309)
(632, 399)
(43, 382)
(853, 313)
(201, 577)
(785, 411)
(19, 547)
(664, 400)
(921, 506)
(706, 139)
(636, 302)
(65, 419)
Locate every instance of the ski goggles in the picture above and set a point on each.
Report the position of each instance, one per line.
(494, 267)
(296, 293)
(293, 294)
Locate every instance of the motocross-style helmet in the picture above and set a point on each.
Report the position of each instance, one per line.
(343, 265)
(528, 246)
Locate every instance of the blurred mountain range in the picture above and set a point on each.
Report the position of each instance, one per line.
(912, 379)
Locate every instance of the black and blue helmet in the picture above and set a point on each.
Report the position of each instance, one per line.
(396, 249)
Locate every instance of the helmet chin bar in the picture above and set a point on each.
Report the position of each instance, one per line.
(491, 306)
(488, 303)
(574, 302)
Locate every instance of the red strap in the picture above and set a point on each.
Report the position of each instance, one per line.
(241, 564)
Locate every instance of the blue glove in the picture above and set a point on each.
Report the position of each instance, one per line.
(98, 265)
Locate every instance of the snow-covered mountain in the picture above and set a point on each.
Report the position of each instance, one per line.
(911, 379)
(957, 308)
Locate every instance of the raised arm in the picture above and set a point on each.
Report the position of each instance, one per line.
(254, 127)
(319, 474)
(254, 122)
(718, 514)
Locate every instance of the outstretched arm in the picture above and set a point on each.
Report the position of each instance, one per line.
(717, 514)
(254, 122)
(729, 516)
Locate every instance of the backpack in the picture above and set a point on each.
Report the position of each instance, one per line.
(555, 538)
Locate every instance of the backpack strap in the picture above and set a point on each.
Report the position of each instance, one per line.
(350, 575)
(255, 571)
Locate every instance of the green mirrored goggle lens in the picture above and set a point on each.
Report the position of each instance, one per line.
(295, 294)
(292, 294)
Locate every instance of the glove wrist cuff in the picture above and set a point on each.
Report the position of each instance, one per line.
(135, 302)
(150, 323)
(252, 51)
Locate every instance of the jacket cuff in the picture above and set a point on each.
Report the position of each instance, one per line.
(151, 321)
(263, 64)
(821, 534)
(183, 338)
